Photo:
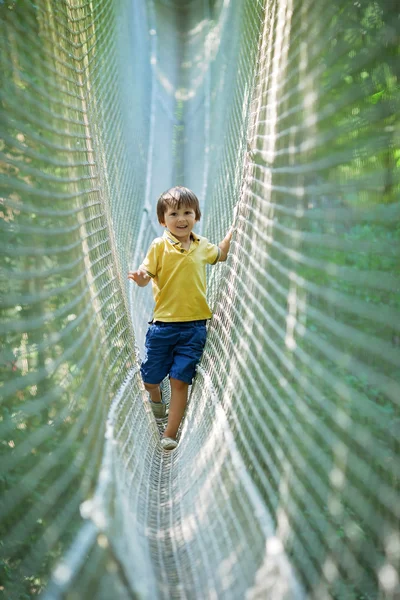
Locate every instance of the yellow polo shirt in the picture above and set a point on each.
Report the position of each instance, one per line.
(179, 277)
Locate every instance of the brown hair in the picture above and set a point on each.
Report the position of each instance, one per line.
(175, 198)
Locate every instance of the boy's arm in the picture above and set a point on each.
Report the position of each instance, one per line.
(140, 276)
(225, 245)
(148, 268)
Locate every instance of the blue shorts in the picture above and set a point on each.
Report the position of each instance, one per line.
(173, 349)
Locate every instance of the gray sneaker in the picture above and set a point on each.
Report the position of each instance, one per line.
(168, 443)
(159, 409)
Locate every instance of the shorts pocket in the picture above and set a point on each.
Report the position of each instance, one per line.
(149, 332)
(201, 335)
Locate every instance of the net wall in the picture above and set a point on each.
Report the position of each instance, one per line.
(285, 482)
(304, 342)
(67, 340)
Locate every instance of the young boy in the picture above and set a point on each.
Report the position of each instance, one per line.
(176, 265)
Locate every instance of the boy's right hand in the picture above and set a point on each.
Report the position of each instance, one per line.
(140, 277)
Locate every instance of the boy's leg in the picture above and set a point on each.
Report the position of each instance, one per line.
(159, 409)
(186, 356)
(156, 365)
(179, 394)
(154, 391)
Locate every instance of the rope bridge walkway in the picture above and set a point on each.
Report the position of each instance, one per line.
(285, 483)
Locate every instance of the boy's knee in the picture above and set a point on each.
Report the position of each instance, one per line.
(178, 384)
(151, 386)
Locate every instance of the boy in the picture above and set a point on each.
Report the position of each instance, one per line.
(176, 264)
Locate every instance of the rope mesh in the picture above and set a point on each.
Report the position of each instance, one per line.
(285, 483)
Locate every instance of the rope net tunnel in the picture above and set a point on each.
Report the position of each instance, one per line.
(285, 483)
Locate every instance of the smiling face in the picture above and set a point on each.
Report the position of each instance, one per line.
(178, 209)
(180, 221)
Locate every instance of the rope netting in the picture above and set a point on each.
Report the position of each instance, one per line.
(285, 482)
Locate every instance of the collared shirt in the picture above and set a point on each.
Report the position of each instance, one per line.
(179, 277)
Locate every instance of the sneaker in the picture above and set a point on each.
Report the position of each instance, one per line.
(159, 409)
(168, 443)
